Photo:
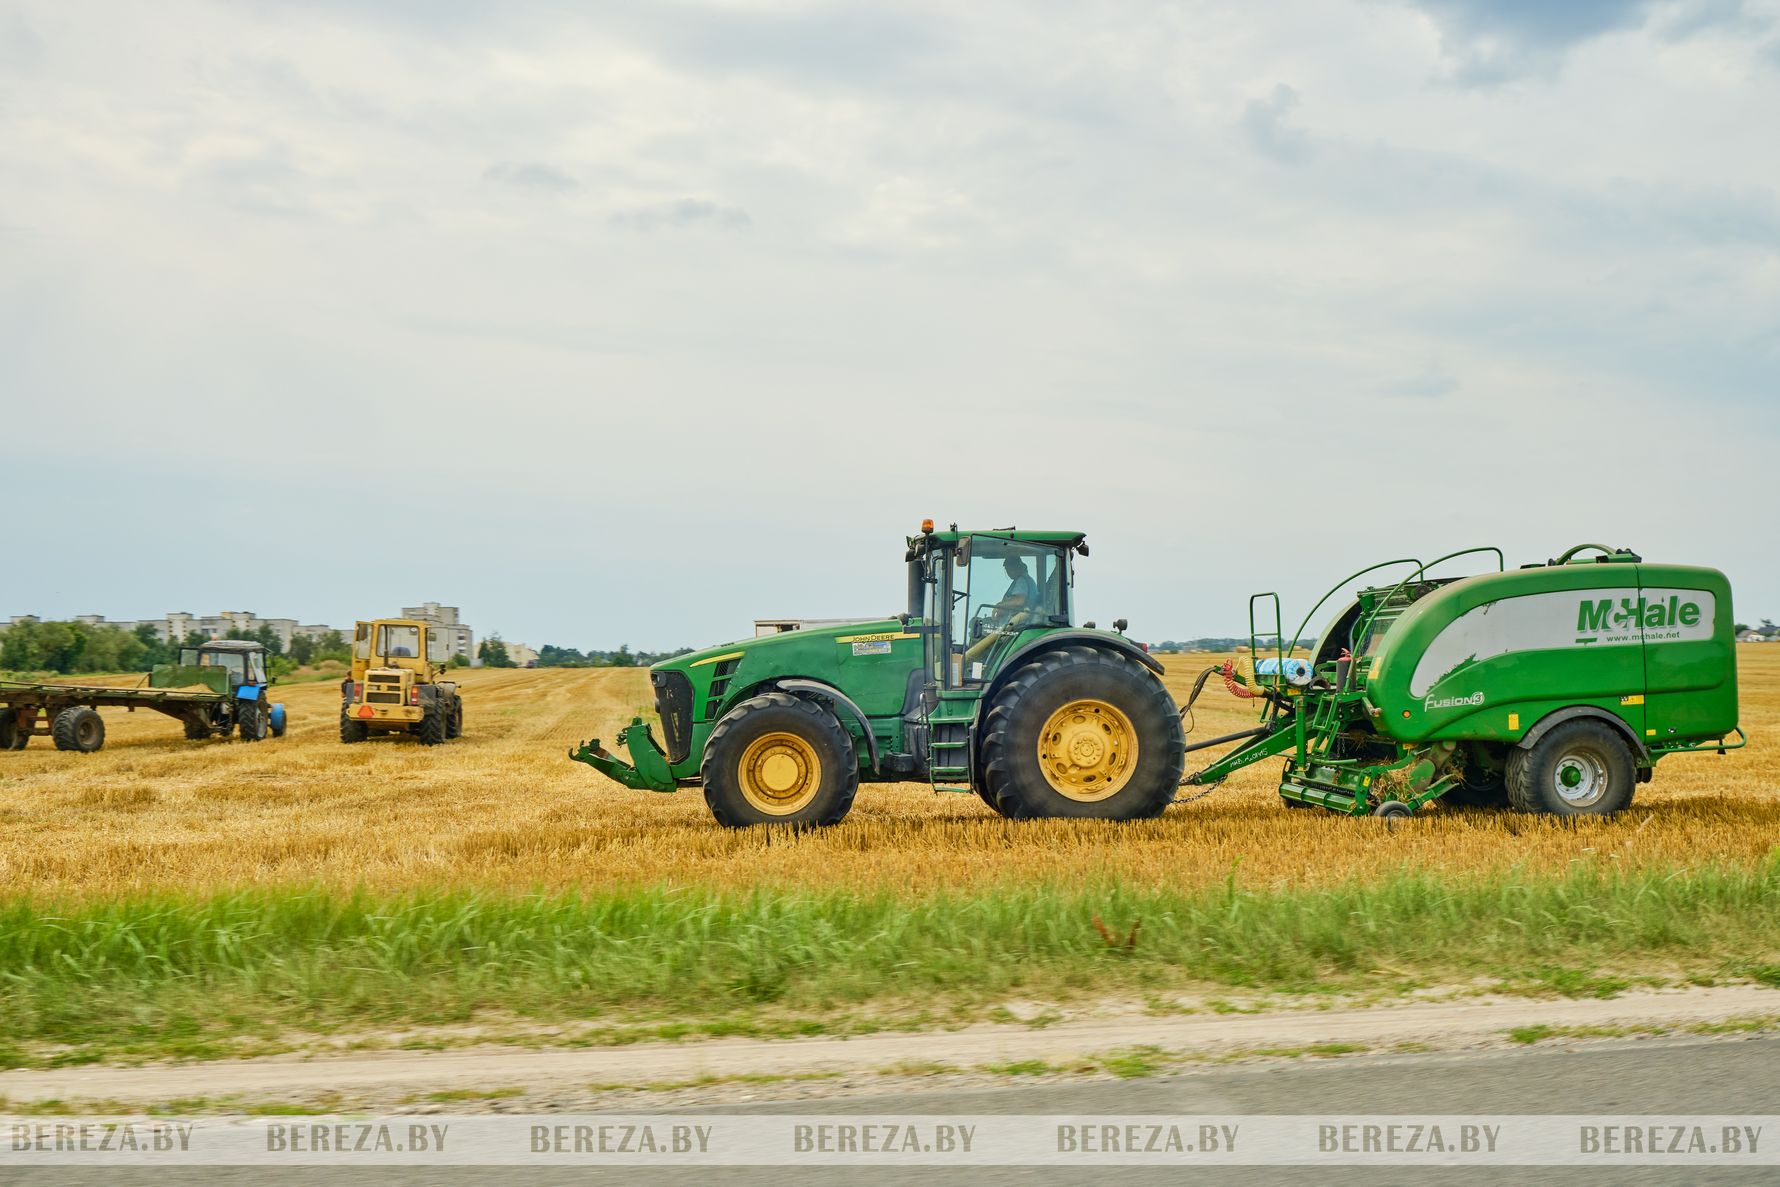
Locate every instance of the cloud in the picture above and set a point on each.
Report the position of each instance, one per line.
(1264, 121)
(21, 48)
(1487, 42)
(1430, 384)
(532, 175)
(683, 214)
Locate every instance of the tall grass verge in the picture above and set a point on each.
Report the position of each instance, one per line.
(168, 969)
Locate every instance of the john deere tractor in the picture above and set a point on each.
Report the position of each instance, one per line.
(983, 684)
(397, 684)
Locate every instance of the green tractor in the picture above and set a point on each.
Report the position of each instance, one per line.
(984, 684)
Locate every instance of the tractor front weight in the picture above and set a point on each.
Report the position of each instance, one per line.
(651, 771)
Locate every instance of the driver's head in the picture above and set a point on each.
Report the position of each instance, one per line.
(1014, 566)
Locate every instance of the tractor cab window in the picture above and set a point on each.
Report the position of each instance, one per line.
(256, 667)
(233, 661)
(361, 643)
(399, 642)
(999, 588)
(188, 657)
(438, 647)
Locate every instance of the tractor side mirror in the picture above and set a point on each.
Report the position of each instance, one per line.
(961, 558)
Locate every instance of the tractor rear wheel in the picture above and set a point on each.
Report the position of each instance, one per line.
(454, 724)
(1579, 768)
(351, 728)
(1083, 732)
(79, 728)
(777, 759)
(250, 721)
(433, 727)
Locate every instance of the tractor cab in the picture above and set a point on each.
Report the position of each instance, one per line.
(221, 665)
(978, 592)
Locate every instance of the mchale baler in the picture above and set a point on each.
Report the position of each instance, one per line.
(1552, 688)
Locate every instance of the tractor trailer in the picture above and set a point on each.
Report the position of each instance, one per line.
(217, 688)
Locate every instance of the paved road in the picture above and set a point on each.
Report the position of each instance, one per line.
(1652, 1076)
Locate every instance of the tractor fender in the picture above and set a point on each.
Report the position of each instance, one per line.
(249, 692)
(1556, 718)
(815, 688)
(1058, 639)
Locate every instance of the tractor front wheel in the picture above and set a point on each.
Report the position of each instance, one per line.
(776, 759)
(1580, 768)
(433, 727)
(1082, 732)
(79, 728)
(250, 721)
(351, 728)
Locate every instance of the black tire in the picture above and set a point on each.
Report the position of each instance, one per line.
(433, 728)
(351, 728)
(1011, 768)
(1393, 810)
(79, 729)
(1591, 753)
(196, 728)
(754, 722)
(454, 724)
(1484, 782)
(250, 721)
(9, 730)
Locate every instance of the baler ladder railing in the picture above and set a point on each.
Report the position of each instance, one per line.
(1344, 583)
(1279, 639)
(1420, 572)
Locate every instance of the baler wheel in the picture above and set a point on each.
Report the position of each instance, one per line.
(10, 733)
(1580, 768)
(196, 728)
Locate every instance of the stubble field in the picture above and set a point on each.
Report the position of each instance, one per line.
(504, 809)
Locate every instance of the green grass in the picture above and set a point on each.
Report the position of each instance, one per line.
(201, 977)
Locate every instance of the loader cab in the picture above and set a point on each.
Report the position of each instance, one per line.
(241, 661)
(398, 644)
(978, 591)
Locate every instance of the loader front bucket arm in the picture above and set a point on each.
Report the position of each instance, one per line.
(651, 771)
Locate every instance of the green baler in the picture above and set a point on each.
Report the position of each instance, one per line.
(983, 684)
(1552, 688)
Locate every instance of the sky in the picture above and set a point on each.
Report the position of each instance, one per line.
(631, 322)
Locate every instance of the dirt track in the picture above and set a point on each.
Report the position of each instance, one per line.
(549, 1073)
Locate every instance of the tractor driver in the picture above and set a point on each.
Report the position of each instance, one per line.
(1022, 592)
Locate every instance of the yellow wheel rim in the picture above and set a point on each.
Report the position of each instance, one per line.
(1087, 751)
(779, 773)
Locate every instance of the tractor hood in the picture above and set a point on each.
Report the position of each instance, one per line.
(781, 644)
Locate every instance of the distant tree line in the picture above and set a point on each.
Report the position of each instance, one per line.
(552, 656)
(1265, 642)
(67, 648)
